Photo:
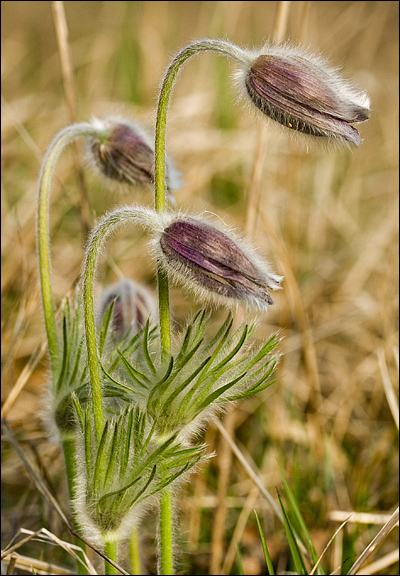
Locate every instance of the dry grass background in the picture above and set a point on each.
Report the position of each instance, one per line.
(328, 221)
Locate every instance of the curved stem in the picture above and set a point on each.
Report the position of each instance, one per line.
(60, 142)
(222, 47)
(106, 225)
(242, 57)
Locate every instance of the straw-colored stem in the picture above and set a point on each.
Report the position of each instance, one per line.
(61, 29)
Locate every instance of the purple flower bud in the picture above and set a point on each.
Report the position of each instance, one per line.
(133, 305)
(215, 264)
(302, 93)
(126, 154)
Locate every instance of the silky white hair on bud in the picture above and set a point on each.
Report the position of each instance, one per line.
(122, 177)
(180, 274)
(347, 96)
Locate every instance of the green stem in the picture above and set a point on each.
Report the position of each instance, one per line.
(239, 55)
(69, 449)
(134, 553)
(166, 536)
(220, 46)
(62, 140)
(164, 314)
(111, 550)
(59, 143)
(102, 230)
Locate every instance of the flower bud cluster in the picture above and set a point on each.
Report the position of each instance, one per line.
(133, 411)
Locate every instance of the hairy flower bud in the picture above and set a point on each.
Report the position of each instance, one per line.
(133, 306)
(302, 93)
(215, 264)
(126, 154)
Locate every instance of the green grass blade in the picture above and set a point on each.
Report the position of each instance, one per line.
(240, 570)
(302, 528)
(297, 557)
(267, 557)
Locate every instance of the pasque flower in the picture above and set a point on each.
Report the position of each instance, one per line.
(126, 154)
(215, 264)
(301, 92)
(133, 306)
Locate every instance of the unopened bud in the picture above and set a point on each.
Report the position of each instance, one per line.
(126, 154)
(133, 306)
(302, 93)
(215, 264)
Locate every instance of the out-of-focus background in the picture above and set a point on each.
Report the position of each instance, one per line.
(327, 220)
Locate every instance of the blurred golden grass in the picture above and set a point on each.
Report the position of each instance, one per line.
(328, 221)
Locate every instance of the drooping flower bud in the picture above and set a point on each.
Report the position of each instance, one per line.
(126, 154)
(302, 93)
(133, 306)
(215, 264)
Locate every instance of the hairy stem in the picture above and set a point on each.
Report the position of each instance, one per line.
(134, 553)
(102, 230)
(237, 54)
(166, 536)
(110, 550)
(60, 142)
(218, 46)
